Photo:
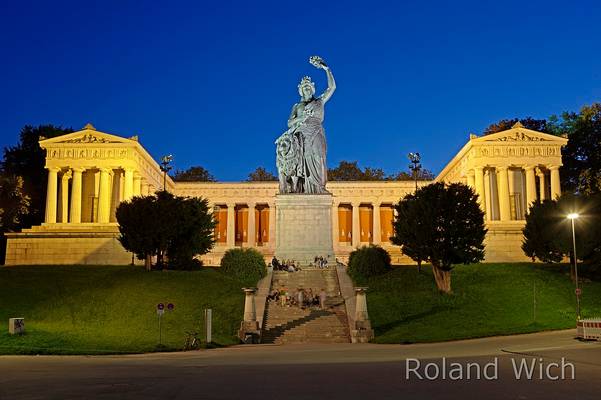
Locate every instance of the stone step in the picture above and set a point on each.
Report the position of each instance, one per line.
(284, 340)
(291, 324)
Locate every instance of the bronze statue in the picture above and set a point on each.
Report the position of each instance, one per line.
(301, 150)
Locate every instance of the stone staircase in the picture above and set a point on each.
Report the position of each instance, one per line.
(294, 325)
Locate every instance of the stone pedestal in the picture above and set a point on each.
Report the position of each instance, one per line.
(304, 227)
(362, 332)
(249, 331)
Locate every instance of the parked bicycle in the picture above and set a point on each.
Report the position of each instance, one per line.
(192, 341)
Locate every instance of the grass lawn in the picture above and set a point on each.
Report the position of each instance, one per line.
(488, 299)
(112, 309)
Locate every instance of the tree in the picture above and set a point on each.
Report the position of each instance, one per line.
(27, 160)
(422, 175)
(14, 203)
(541, 238)
(346, 171)
(14, 206)
(138, 227)
(581, 170)
(261, 175)
(194, 231)
(351, 171)
(166, 225)
(443, 225)
(194, 174)
(539, 125)
(548, 234)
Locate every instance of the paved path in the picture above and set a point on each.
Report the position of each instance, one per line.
(305, 371)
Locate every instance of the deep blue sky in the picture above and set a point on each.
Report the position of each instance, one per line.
(213, 83)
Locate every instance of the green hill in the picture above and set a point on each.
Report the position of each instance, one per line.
(487, 300)
(111, 309)
(100, 309)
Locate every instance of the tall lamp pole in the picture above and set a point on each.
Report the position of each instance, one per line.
(572, 217)
(165, 167)
(415, 166)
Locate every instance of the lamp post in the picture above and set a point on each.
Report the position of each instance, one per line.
(165, 167)
(415, 166)
(572, 217)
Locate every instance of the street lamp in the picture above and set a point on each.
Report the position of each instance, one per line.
(165, 167)
(415, 166)
(572, 217)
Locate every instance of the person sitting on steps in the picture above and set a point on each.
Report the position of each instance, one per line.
(322, 299)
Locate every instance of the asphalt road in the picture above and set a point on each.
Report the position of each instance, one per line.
(318, 372)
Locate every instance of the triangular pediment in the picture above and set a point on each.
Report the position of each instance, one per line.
(519, 134)
(88, 135)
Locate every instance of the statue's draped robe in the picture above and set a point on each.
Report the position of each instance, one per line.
(314, 162)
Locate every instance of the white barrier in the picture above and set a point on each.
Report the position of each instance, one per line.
(589, 329)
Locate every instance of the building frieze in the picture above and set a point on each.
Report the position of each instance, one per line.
(518, 151)
(88, 153)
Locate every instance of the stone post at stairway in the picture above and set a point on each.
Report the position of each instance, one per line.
(362, 332)
(250, 331)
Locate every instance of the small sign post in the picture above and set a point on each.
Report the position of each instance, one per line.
(160, 312)
(208, 324)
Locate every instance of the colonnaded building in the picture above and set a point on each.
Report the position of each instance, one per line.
(91, 172)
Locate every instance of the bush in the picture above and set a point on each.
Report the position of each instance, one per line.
(183, 264)
(368, 261)
(248, 265)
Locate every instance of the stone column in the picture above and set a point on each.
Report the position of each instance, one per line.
(137, 184)
(144, 187)
(488, 200)
(471, 178)
(503, 184)
(104, 197)
(541, 188)
(119, 173)
(76, 188)
(272, 225)
(555, 182)
(361, 304)
(65, 197)
(231, 225)
(530, 186)
(128, 190)
(356, 226)
(479, 184)
(377, 233)
(250, 310)
(335, 225)
(51, 195)
(252, 225)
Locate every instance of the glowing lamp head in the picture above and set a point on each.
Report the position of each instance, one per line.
(573, 216)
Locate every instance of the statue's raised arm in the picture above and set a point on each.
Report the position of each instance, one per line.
(318, 62)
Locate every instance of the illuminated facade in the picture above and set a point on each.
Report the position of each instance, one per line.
(91, 172)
